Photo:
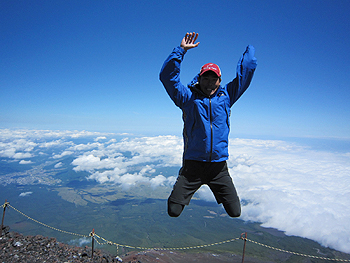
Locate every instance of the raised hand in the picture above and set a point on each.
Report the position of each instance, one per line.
(189, 40)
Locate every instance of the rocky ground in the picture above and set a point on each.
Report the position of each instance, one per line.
(15, 247)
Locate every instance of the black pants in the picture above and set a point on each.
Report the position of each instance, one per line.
(193, 175)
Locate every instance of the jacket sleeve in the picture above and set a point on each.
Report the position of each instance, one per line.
(244, 74)
(170, 77)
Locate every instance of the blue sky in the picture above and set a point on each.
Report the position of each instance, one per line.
(94, 65)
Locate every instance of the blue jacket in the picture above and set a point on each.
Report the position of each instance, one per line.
(206, 119)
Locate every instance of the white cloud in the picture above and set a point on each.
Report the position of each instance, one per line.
(21, 155)
(283, 185)
(302, 192)
(166, 149)
(63, 154)
(111, 141)
(25, 194)
(161, 180)
(107, 176)
(85, 147)
(204, 193)
(91, 162)
(17, 149)
(121, 177)
(9, 152)
(52, 144)
(128, 180)
(161, 150)
(11, 134)
(58, 165)
(100, 138)
(25, 162)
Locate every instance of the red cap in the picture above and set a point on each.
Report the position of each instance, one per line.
(212, 67)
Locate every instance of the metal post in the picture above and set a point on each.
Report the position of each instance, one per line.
(93, 241)
(3, 217)
(245, 241)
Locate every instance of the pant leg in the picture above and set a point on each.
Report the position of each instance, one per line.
(183, 190)
(187, 183)
(174, 209)
(225, 192)
(233, 208)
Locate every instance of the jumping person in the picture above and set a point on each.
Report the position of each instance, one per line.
(206, 107)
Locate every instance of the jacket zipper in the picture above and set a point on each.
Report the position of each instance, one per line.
(211, 131)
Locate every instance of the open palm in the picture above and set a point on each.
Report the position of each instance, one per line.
(189, 40)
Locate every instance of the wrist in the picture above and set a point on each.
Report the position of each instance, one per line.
(183, 48)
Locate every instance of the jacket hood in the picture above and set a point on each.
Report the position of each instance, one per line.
(193, 82)
(194, 85)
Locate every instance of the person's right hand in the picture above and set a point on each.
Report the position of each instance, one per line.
(188, 41)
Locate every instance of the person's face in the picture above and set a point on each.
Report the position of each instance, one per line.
(209, 82)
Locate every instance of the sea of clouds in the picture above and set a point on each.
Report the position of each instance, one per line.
(283, 185)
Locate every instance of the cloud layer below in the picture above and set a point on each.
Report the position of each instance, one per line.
(281, 184)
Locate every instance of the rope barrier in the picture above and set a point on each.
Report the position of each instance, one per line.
(296, 253)
(56, 229)
(162, 249)
(3, 216)
(102, 241)
(5, 204)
